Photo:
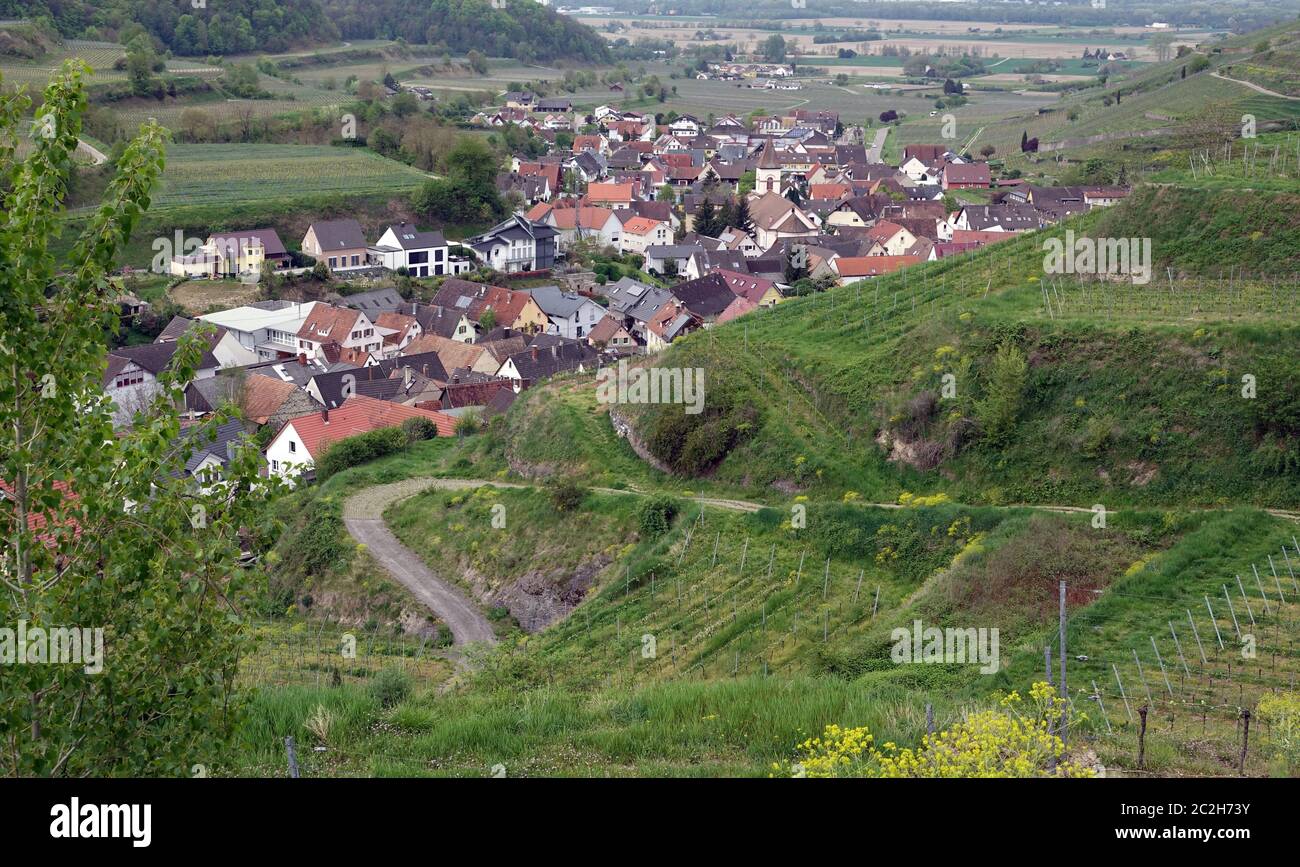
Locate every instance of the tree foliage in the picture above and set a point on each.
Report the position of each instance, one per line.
(103, 531)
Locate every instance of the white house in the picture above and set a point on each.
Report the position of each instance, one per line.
(422, 254)
(347, 334)
(267, 328)
(131, 377)
(296, 448)
(640, 233)
(571, 315)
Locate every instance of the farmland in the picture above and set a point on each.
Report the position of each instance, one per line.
(205, 174)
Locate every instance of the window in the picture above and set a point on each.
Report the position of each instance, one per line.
(417, 258)
(354, 261)
(333, 262)
(293, 446)
(275, 465)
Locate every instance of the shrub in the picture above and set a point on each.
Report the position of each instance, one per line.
(468, 424)
(419, 428)
(566, 495)
(390, 687)
(360, 449)
(656, 515)
(1001, 405)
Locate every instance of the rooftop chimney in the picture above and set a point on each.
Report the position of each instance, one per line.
(325, 415)
(555, 350)
(302, 358)
(534, 353)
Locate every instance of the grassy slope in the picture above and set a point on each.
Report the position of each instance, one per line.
(1130, 396)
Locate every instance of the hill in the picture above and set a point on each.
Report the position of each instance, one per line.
(1127, 394)
(522, 29)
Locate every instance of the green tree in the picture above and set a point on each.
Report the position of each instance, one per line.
(102, 529)
(774, 48)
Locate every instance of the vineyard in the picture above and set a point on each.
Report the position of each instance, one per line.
(215, 173)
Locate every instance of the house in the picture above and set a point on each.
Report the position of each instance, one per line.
(516, 244)
(759, 291)
(561, 104)
(208, 451)
(404, 328)
(572, 316)
(667, 324)
(295, 449)
(642, 232)
(997, 218)
(375, 301)
(589, 167)
(222, 256)
(340, 244)
(510, 308)
(892, 238)
(775, 217)
(338, 333)
(547, 358)
(332, 387)
(456, 355)
(523, 99)
(263, 400)
(574, 224)
(968, 176)
(669, 259)
(422, 254)
(705, 298)
(611, 195)
(530, 188)
(132, 377)
(851, 269)
(611, 333)
(636, 303)
(686, 126)
(224, 346)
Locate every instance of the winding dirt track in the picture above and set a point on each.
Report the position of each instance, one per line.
(363, 514)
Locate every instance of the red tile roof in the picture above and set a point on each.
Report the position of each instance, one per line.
(357, 415)
(873, 266)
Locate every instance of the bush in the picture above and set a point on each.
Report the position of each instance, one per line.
(566, 495)
(360, 449)
(656, 515)
(1001, 405)
(390, 687)
(419, 428)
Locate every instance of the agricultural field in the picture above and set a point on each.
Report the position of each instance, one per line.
(100, 56)
(199, 174)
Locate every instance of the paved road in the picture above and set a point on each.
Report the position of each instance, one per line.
(878, 145)
(363, 514)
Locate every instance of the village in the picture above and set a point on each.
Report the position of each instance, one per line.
(719, 218)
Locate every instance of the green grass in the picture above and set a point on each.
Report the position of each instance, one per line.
(202, 174)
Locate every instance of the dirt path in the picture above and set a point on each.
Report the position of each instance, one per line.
(1254, 87)
(96, 156)
(363, 514)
